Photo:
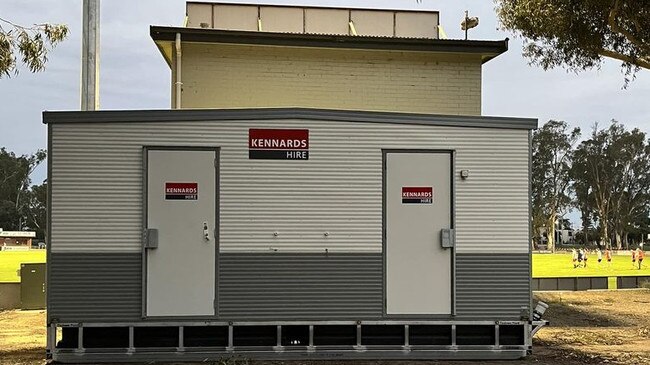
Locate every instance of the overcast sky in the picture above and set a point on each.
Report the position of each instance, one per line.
(133, 74)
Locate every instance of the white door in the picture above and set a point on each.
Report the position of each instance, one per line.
(181, 206)
(418, 206)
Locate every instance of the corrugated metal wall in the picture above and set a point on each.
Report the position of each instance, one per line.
(492, 285)
(274, 286)
(95, 287)
(97, 185)
(106, 287)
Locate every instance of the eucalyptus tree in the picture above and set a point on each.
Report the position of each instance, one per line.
(15, 171)
(577, 35)
(552, 146)
(30, 44)
(631, 154)
(612, 171)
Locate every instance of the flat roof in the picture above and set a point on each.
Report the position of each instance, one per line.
(18, 234)
(188, 115)
(487, 49)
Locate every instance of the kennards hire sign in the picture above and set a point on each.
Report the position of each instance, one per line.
(278, 144)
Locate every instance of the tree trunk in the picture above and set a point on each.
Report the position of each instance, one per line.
(625, 241)
(619, 243)
(585, 233)
(550, 233)
(604, 235)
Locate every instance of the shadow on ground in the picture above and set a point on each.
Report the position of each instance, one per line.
(22, 357)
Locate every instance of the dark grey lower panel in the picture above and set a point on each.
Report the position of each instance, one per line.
(285, 286)
(94, 287)
(107, 287)
(492, 286)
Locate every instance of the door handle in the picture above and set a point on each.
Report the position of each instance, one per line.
(206, 231)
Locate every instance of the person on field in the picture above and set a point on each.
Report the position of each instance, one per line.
(580, 257)
(584, 256)
(608, 257)
(639, 255)
(599, 256)
(574, 257)
(633, 258)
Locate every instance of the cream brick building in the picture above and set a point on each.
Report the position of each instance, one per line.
(244, 56)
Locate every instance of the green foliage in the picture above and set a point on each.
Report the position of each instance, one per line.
(578, 34)
(606, 177)
(35, 210)
(30, 43)
(611, 174)
(552, 147)
(16, 197)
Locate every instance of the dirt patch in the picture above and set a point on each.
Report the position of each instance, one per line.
(22, 337)
(595, 327)
(605, 326)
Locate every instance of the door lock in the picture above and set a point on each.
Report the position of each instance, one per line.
(206, 231)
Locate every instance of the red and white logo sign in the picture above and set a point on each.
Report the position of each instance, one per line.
(181, 191)
(417, 195)
(278, 144)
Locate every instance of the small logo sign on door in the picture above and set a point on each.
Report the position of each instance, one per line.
(181, 191)
(417, 195)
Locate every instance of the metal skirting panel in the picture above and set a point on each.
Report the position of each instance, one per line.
(218, 355)
(94, 287)
(493, 286)
(277, 286)
(96, 184)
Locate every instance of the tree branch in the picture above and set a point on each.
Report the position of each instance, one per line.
(618, 29)
(641, 62)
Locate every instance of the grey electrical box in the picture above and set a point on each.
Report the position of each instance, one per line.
(150, 238)
(32, 286)
(448, 238)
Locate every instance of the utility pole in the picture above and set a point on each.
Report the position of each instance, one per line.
(90, 56)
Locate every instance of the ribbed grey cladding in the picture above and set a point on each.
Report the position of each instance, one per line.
(492, 286)
(100, 287)
(285, 286)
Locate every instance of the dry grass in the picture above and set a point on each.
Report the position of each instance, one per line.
(598, 326)
(595, 327)
(22, 337)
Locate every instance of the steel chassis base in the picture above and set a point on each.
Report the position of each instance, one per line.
(310, 351)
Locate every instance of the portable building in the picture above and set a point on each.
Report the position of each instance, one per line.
(286, 227)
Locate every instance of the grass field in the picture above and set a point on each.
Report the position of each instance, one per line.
(560, 265)
(10, 262)
(544, 265)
